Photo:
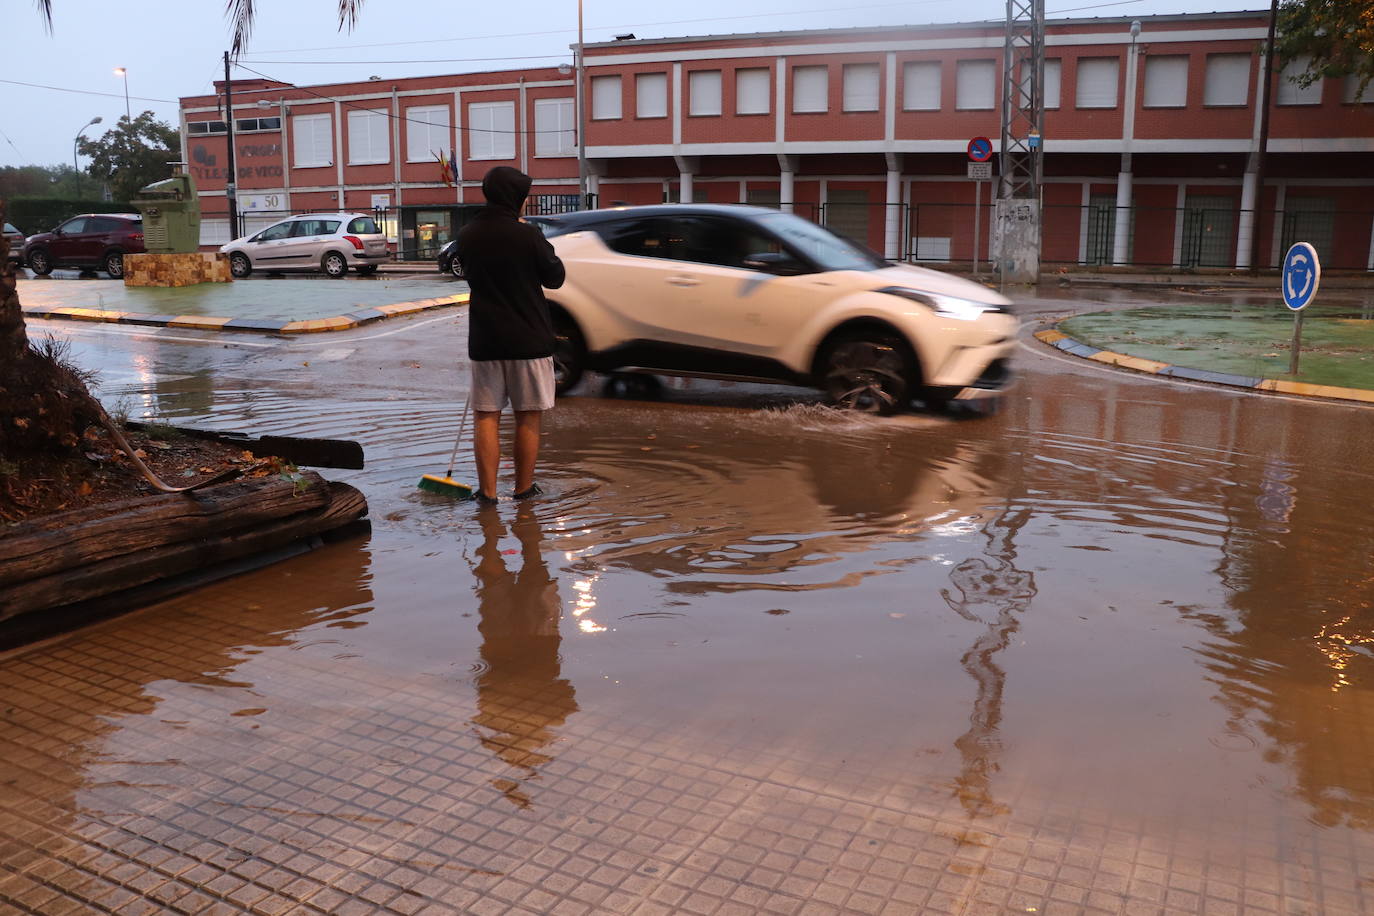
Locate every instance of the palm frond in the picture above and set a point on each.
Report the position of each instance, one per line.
(45, 10)
(348, 13)
(241, 14)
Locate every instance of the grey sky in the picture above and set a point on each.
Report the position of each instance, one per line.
(173, 49)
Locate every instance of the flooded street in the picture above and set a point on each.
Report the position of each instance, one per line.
(1106, 651)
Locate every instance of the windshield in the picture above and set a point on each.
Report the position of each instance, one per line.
(828, 250)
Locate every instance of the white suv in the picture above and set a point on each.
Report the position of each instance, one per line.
(331, 242)
(755, 294)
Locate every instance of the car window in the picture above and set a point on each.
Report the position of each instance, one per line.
(651, 237)
(105, 224)
(275, 233)
(306, 227)
(73, 226)
(724, 242)
(361, 225)
(828, 250)
(9, 227)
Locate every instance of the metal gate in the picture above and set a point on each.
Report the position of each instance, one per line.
(1309, 219)
(1209, 232)
(1101, 229)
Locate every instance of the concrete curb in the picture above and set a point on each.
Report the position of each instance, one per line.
(259, 325)
(1061, 341)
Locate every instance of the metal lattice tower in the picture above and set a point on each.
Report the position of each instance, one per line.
(1023, 99)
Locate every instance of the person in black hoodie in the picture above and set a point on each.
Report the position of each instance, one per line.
(508, 264)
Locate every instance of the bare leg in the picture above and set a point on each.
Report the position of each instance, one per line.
(526, 447)
(486, 445)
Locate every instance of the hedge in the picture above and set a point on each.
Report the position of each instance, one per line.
(40, 214)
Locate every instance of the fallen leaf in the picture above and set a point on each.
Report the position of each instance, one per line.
(84, 489)
(140, 453)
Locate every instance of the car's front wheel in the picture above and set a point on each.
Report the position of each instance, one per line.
(334, 265)
(455, 267)
(113, 264)
(239, 265)
(569, 354)
(867, 373)
(39, 262)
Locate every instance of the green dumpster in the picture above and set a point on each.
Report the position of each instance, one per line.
(171, 215)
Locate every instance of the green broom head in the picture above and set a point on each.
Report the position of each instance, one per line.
(445, 486)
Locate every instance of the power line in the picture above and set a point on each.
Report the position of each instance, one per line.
(441, 60)
(113, 95)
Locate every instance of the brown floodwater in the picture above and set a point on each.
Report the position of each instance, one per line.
(1106, 650)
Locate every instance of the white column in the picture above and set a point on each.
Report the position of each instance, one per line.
(1121, 238)
(892, 227)
(1245, 230)
(686, 167)
(787, 171)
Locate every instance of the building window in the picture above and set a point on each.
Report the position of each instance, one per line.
(1097, 82)
(605, 98)
(204, 128)
(861, 87)
(555, 131)
(313, 140)
(367, 138)
(1228, 80)
(1166, 81)
(1350, 91)
(428, 132)
(256, 125)
(975, 85)
(1290, 93)
(1052, 70)
(491, 130)
(651, 95)
(810, 89)
(751, 91)
(921, 86)
(704, 88)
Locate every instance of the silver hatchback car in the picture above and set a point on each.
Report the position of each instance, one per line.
(331, 242)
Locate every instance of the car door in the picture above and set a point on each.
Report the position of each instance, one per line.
(308, 241)
(628, 275)
(69, 241)
(268, 249)
(721, 304)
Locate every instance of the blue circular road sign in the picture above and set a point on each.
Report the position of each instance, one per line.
(980, 149)
(1302, 273)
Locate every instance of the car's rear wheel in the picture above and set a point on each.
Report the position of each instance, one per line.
(239, 265)
(366, 270)
(455, 267)
(39, 262)
(113, 264)
(334, 265)
(569, 354)
(867, 373)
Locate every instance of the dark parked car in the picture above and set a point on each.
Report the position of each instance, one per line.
(16, 243)
(93, 241)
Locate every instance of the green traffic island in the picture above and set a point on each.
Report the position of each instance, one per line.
(1242, 341)
(93, 539)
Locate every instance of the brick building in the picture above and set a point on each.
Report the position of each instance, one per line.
(1147, 140)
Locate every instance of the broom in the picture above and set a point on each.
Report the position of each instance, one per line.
(446, 485)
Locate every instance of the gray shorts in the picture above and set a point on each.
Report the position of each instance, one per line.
(525, 384)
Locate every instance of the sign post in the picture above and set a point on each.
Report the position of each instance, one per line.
(1302, 274)
(979, 170)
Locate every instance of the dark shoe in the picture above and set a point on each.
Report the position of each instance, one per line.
(482, 499)
(533, 491)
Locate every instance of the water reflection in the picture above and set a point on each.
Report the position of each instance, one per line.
(521, 697)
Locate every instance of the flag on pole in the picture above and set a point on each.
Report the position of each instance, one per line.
(445, 169)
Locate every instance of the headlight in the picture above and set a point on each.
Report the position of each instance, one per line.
(945, 306)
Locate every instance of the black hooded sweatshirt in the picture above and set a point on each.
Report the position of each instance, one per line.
(508, 264)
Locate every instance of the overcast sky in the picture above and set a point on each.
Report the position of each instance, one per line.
(174, 49)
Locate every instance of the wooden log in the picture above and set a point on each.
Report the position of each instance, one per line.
(83, 536)
(343, 504)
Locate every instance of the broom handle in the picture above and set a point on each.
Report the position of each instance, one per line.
(453, 458)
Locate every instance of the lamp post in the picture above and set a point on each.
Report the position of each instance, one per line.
(581, 116)
(124, 73)
(76, 168)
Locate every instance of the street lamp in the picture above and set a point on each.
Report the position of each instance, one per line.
(124, 72)
(76, 168)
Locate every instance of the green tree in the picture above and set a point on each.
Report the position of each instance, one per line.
(1335, 37)
(133, 154)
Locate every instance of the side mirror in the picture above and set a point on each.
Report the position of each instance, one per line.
(777, 263)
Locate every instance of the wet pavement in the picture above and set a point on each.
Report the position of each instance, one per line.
(290, 298)
(1107, 651)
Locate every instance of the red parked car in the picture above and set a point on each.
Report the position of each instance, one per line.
(93, 241)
